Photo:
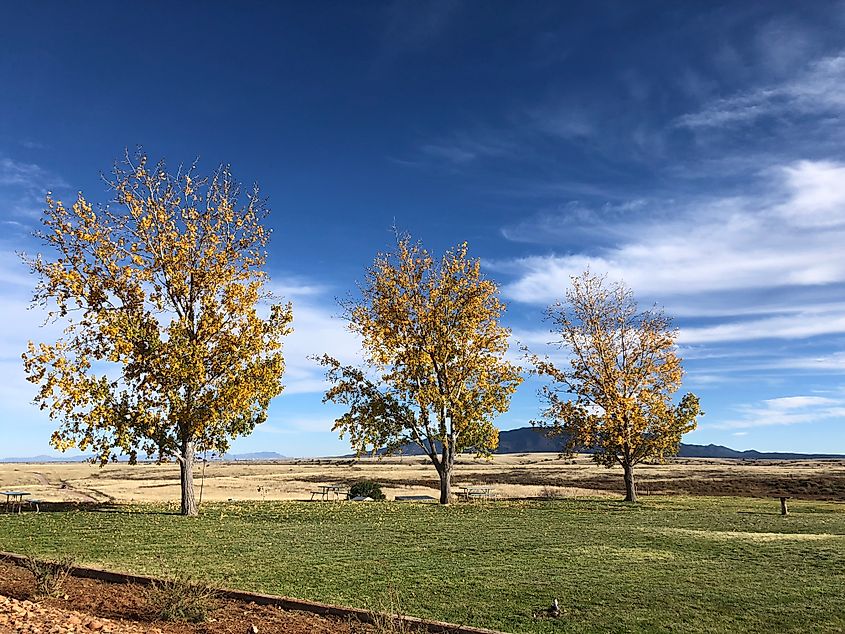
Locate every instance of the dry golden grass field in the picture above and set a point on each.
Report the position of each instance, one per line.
(512, 476)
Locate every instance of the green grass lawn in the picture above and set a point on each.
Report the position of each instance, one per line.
(670, 563)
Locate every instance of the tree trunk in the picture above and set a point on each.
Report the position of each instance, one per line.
(186, 474)
(445, 484)
(630, 488)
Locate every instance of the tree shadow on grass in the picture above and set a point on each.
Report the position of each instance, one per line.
(101, 507)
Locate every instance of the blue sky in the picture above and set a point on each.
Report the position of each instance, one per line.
(695, 150)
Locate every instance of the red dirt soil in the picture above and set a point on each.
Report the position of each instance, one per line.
(94, 606)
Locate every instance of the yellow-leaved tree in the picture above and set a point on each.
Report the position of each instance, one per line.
(435, 372)
(615, 398)
(164, 350)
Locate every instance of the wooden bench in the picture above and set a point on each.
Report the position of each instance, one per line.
(415, 498)
(477, 493)
(34, 503)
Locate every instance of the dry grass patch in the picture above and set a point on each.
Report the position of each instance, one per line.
(513, 475)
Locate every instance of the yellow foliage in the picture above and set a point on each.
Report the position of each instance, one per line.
(616, 395)
(164, 345)
(431, 334)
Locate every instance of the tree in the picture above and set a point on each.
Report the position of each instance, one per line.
(164, 350)
(623, 372)
(434, 373)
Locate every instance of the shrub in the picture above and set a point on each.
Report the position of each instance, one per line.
(389, 618)
(552, 493)
(366, 488)
(49, 575)
(180, 598)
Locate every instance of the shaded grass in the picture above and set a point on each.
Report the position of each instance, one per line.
(668, 564)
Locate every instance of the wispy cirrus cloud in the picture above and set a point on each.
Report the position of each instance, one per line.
(788, 233)
(818, 90)
(786, 410)
(22, 189)
(827, 361)
(15, 174)
(574, 222)
(801, 325)
(475, 143)
(21, 174)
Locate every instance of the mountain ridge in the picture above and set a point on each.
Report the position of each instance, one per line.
(534, 440)
(520, 440)
(256, 455)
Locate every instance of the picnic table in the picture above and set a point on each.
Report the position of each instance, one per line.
(415, 498)
(476, 492)
(329, 491)
(14, 500)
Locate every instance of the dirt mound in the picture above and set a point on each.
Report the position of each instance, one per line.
(90, 606)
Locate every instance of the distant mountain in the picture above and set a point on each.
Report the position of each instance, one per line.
(718, 451)
(527, 440)
(257, 455)
(45, 458)
(533, 440)
(522, 440)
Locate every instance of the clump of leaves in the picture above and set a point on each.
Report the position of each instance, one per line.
(181, 598)
(366, 488)
(49, 575)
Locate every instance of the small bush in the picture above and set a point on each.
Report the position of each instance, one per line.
(552, 493)
(390, 624)
(180, 598)
(49, 576)
(388, 619)
(366, 488)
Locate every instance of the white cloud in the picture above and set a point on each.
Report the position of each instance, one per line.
(723, 256)
(787, 410)
(469, 145)
(32, 144)
(316, 331)
(21, 174)
(574, 218)
(14, 273)
(790, 403)
(794, 326)
(818, 194)
(23, 186)
(702, 379)
(293, 287)
(818, 90)
(22, 189)
(297, 425)
(833, 361)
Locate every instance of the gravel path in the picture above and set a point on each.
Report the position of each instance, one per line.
(26, 616)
